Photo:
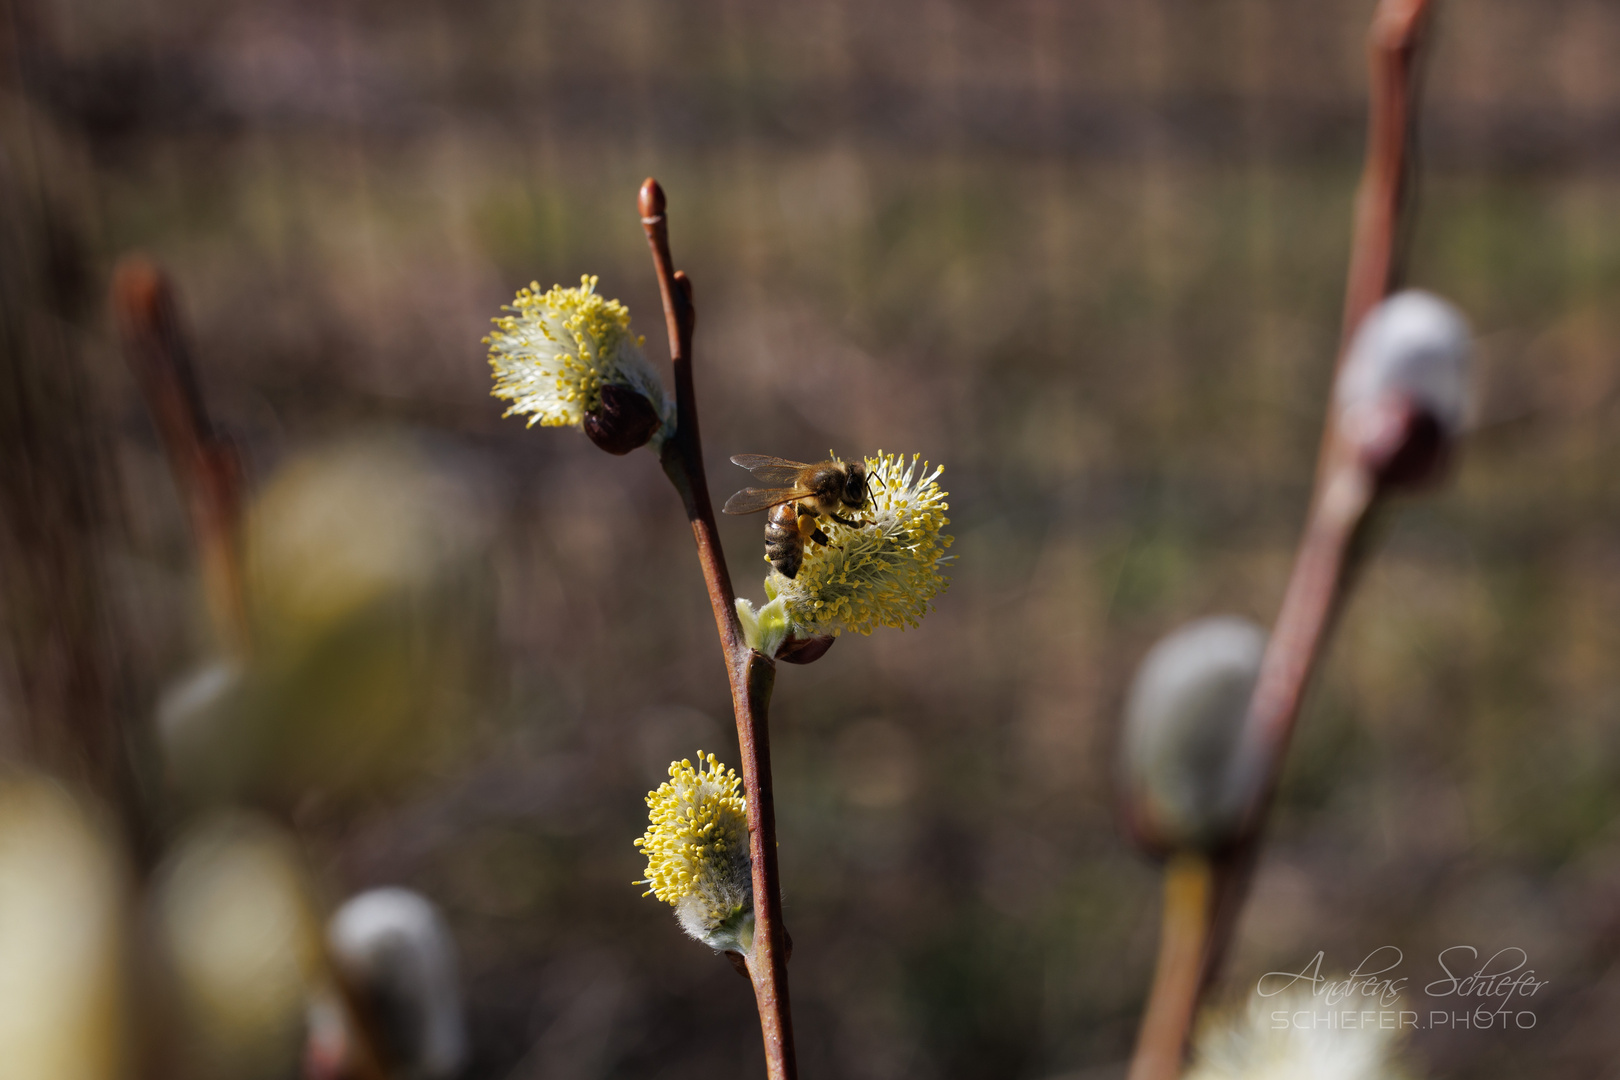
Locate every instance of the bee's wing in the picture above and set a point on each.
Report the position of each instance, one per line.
(770, 470)
(753, 500)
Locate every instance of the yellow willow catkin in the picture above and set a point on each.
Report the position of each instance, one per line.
(883, 573)
(556, 350)
(697, 852)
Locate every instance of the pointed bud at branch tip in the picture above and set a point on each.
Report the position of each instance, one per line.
(158, 354)
(1396, 23)
(1187, 777)
(140, 292)
(652, 199)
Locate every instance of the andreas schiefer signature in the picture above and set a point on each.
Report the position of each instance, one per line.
(1367, 980)
(1490, 987)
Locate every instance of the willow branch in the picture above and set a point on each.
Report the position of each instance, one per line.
(362, 1060)
(205, 466)
(207, 471)
(1315, 591)
(1393, 52)
(752, 675)
(1183, 938)
(1344, 493)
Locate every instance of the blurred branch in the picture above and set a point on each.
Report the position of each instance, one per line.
(206, 467)
(1345, 488)
(1347, 485)
(1322, 568)
(1393, 52)
(362, 1062)
(751, 674)
(207, 470)
(1183, 938)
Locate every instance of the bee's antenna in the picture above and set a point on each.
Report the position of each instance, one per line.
(871, 476)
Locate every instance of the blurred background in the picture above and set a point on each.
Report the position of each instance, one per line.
(1090, 256)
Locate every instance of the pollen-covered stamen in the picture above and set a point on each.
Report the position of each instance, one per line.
(557, 351)
(697, 852)
(883, 570)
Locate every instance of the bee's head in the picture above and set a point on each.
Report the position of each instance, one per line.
(855, 483)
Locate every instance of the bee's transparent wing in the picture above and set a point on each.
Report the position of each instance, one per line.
(753, 500)
(771, 470)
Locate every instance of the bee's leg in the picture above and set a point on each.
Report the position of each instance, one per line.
(847, 521)
(811, 531)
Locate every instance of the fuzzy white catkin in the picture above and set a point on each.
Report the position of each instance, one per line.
(239, 936)
(1292, 1037)
(1183, 720)
(1413, 343)
(62, 938)
(393, 947)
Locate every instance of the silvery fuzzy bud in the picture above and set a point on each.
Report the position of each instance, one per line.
(394, 951)
(1187, 782)
(1404, 387)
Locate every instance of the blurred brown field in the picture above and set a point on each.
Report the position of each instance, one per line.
(1089, 256)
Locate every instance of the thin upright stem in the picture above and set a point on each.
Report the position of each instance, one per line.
(363, 1061)
(683, 452)
(208, 473)
(1344, 493)
(1315, 591)
(751, 674)
(767, 963)
(1394, 46)
(1393, 52)
(205, 466)
(1184, 933)
(1309, 602)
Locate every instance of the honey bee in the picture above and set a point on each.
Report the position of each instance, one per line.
(800, 495)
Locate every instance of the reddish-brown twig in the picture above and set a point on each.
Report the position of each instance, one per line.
(1183, 938)
(1345, 491)
(205, 466)
(208, 473)
(1393, 47)
(752, 675)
